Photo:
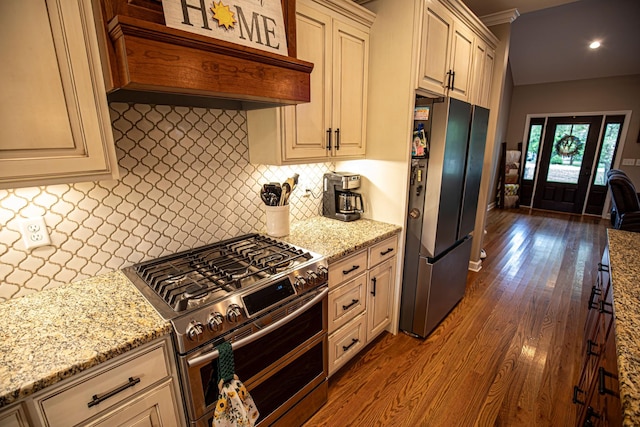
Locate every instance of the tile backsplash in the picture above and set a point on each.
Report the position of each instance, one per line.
(185, 181)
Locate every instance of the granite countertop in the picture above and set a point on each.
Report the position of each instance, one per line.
(335, 239)
(624, 260)
(48, 336)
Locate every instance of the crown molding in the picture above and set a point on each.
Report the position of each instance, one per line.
(504, 17)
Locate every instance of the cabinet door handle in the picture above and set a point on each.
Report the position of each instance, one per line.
(602, 389)
(328, 139)
(591, 413)
(448, 85)
(601, 308)
(594, 292)
(98, 399)
(352, 269)
(383, 253)
(575, 400)
(453, 79)
(354, 341)
(373, 292)
(353, 302)
(338, 139)
(590, 345)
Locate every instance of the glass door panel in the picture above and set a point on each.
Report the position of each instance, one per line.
(609, 142)
(532, 149)
(565, 162)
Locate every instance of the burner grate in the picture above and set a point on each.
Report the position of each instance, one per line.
(197, 276)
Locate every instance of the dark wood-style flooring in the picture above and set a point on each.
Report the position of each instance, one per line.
(507, 355)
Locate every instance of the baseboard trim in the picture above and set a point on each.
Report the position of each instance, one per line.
(475, 266)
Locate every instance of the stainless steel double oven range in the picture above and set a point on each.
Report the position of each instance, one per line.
(268, 299)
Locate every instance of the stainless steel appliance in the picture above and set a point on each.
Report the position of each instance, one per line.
(443, 197)
(338, 199)
(266, 297)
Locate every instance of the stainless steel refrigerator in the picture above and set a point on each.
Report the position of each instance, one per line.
(443, 197)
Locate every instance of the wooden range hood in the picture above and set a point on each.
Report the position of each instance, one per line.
(146, 61)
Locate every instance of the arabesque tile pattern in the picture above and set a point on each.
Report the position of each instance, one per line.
(185, 181)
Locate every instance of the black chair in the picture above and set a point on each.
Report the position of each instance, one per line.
(625, 209)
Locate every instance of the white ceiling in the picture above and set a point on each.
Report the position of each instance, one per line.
(549, 40)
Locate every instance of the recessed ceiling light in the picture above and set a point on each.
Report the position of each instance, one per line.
(594, 45)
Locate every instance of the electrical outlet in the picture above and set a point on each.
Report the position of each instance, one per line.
(34, 232)
(628, 162)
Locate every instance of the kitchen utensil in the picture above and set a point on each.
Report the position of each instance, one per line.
(286, 192)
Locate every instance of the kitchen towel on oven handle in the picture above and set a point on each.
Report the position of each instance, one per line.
(235, 406)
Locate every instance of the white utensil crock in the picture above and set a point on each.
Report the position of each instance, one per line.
(277, 220)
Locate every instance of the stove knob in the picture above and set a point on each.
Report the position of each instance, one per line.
(312, 277)
(215, 321)
(300, 282)
(195, 331)
(323, 272)
(234, 313)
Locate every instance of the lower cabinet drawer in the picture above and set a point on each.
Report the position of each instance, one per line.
(346, 302)
(155, 407)
(84, 399)
(347, 342)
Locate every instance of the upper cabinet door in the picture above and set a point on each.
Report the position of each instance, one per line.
(350, 76)
(461, 62)
(436, 39)
(54, 118)
(309, 122)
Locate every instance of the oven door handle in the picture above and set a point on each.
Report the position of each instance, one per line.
(207, 357)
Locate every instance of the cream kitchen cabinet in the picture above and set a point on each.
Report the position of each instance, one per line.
(14, 416)
(55, 124)
(446, 53)
(483, 63)
(137, 388)
(334, 36)
(361, 289)
(455, 59)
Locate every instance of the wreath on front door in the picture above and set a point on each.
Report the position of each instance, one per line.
(569, 146)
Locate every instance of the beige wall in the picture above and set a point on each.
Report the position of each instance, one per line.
(595, 95)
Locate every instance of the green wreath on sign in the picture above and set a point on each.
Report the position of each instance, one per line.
(569, 146)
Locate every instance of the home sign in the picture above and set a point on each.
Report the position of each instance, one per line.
(254, 23)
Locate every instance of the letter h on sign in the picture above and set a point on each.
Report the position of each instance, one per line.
(202, 9)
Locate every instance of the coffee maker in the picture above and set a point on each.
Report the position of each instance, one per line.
(338, 201)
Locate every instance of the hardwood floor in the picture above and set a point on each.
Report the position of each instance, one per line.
(507, 355)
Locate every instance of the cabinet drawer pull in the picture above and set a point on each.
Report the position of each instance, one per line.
(591, 413)
(601, 308)
(348, 306)
(389, 250)
(594, 292)
(98, 399)
(373, 292)
(602, 388)
(352, 269)
(328, 139)
(590, 346)
(354, 341)
(575, 400)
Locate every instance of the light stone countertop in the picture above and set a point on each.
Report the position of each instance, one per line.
(624, 259)
(48, 336)
(335, 239)
(51, 335)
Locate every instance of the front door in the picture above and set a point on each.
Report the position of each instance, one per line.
(566, 162)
